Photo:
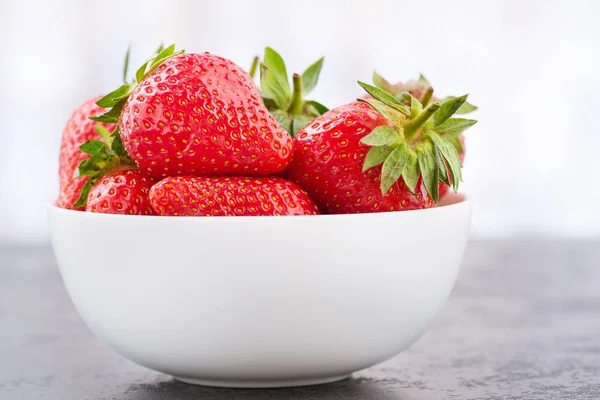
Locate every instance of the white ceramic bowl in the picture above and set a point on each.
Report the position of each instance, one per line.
(260, 301)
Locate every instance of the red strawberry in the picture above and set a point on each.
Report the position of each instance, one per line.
(79, 129)
(333, 161)
(196, 114)
(214, 196)
(422, 90)
(122, 192)
(328, 163)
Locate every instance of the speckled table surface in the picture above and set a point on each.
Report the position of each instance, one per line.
(522, 323)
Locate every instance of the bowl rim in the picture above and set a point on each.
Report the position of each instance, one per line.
(466, 202)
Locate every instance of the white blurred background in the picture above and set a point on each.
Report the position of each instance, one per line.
(531, 66)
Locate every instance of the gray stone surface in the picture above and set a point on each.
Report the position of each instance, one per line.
(522, 323)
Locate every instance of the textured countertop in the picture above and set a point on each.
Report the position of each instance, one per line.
(522, 323)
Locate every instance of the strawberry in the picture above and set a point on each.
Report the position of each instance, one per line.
(121, 192)
(422, 90)
(214, 196)
(351, 159)
(195, 114)
(287, 105)
(79, 129)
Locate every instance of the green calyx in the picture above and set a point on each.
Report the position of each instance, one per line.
(109, 155)
(419, 141)
(103, 159)
(287, 103)
(420, 88)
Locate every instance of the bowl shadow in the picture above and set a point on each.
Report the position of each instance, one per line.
(347, 389)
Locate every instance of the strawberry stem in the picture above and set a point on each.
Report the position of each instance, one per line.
(427, 96)
(411, 129)
(295, 107)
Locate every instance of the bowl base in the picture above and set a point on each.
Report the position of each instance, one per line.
(262, 383)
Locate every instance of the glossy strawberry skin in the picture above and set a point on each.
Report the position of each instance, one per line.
(443, 188)
(230, 196)
(200, 114)
(328, 160)
(122, 192)
(79, 129)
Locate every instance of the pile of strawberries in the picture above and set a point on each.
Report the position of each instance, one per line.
(192, 135)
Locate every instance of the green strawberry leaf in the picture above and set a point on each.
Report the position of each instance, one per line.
(141, 72)
(385, 98)
(126, 64)
(466, 108)
(273, 88)
(116, 144)
(376, 156)
(424, 80)
(458, 145)
(381, 136)
(450, 155)
(319, 108)
(442, 168)
(411, 172)
(382, 83)
(113, 97)
(275, 63)
(404, 98)
(430, 174)
(269, 103)
(85, 191)
(392, 114)
(112, 115)
(392, 167)
(253, 67)
(162, 57)
(453, 127)
(447, 109)
(163, 53)
(102, 160)
(93, 147)
(104, 133)
(283, 119)
(311, 76)
(415, 107)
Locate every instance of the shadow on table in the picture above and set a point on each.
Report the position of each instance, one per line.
(348, 389)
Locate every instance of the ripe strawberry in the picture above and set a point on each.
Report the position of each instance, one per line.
(422, 90)
(79, 129)
(333, 162)
(195, 114)
(214, 196)
(122, 192)
(288, 107)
